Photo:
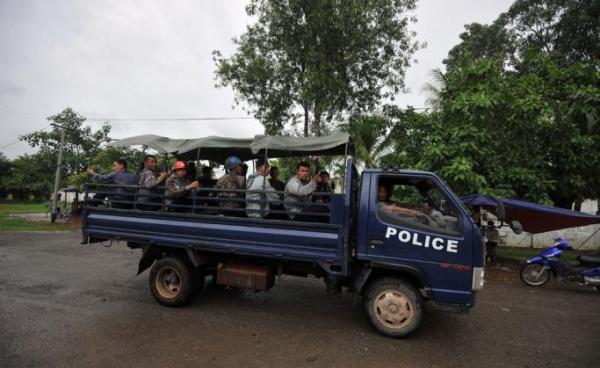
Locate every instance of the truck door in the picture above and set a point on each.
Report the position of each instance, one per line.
(416, 221)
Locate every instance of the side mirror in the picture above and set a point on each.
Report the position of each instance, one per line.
(516, 227)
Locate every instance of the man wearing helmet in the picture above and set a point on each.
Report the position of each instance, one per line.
(234, 179)
(178, 187)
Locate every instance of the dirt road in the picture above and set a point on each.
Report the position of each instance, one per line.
(64, 304)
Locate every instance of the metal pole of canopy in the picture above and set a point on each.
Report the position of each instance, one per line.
(263, 196)
(197, 162)
(345, 165)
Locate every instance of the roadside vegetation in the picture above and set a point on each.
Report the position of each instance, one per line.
(12, 223)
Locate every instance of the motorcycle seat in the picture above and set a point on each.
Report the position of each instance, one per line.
(594, 260)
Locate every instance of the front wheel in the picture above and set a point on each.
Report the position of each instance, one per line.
(534, 274)
(394, 307)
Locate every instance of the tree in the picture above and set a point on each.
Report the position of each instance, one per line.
(480, 41)
(517, 108)
(504, 132)
(318, 59)
(567, 31)
(30, 175)
(35, 173)
(81, 143)
(369, 136)
(6, 168)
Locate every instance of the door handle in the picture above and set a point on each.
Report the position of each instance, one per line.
(375, 242)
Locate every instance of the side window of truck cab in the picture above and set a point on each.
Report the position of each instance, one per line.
(416, 202)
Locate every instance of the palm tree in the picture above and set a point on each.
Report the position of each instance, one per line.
(369, 136)
(434, 89)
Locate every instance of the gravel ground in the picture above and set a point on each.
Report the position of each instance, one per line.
(63, 304)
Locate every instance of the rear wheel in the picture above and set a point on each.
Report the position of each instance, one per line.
(534, 274)
(172, 281)
(393, 306)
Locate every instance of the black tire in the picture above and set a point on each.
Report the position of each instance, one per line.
(393, 306)
(172, 281)
(532, 276)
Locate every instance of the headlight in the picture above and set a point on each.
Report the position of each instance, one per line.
(477, 279)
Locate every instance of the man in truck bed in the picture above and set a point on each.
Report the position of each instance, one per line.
(298, 191)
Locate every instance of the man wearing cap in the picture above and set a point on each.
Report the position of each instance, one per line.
(261, 195)
(178, 187)
(234, 179)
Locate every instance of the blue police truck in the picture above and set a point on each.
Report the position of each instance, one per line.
(397, 238)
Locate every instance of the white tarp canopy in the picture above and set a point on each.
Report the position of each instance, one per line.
(218, 148)
(215, 148)
(281, 146)
(157, 142)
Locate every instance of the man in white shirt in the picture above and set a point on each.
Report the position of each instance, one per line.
(261, 195)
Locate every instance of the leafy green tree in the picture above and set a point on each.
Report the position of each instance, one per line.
(481, 41)
(6, 168)
(516, 112)
(81, 143)
(30, 174)
(370, 140)
(567, 31)
(35, 173)
(312, 61)
(504, 132)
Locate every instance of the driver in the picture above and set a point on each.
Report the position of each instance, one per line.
(385, 204)
(425, 214)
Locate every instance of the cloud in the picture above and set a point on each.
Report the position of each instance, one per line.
(153, 59)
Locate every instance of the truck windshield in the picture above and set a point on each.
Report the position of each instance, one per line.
(419, 202)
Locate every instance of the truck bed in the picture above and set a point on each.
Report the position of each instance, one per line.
(322, 243)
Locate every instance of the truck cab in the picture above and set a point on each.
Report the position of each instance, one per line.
(411, 221)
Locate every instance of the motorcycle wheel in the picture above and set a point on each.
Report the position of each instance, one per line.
(534, 274)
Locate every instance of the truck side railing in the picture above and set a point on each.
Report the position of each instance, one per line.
(215, 201)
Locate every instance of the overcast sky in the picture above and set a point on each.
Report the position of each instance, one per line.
(152, 59)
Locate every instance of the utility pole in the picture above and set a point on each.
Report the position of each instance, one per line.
(54, 213)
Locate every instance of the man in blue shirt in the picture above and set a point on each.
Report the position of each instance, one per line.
(121, 197)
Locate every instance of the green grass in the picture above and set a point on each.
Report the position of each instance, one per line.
(521, 254)
(8, 223)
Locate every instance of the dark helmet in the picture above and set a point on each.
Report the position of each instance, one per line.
(232, 162)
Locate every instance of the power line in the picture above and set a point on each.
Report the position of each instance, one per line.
(173, 119)
(18, 140)
(10, 144)
(20, 112)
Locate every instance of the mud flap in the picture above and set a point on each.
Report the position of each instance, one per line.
(148, 257)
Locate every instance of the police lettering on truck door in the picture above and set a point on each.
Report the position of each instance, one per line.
(420, 240)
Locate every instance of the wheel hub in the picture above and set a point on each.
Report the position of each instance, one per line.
(393, 309)
(168, 282)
